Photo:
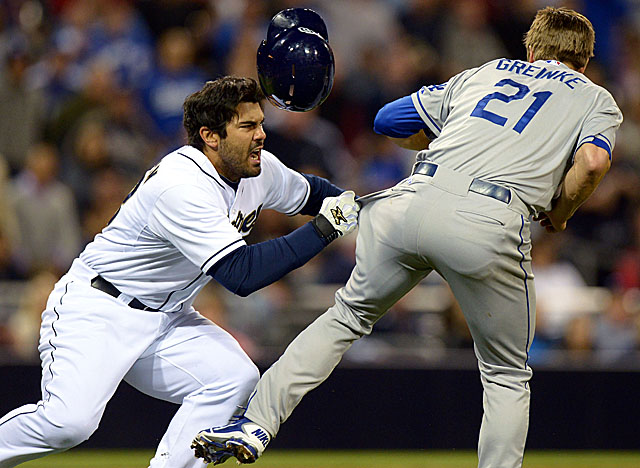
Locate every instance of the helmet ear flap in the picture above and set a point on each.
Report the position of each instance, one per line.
(267, 74)
(296, 69)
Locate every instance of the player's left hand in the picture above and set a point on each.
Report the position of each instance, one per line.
(341, 211)
(338, 216)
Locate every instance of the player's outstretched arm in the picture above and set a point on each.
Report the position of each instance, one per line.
(590, 165)
(252, 267)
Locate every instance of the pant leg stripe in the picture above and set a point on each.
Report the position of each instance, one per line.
(526, 287)
(55, 334)
(22, 414)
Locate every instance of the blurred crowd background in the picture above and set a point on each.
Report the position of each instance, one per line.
(91, 95)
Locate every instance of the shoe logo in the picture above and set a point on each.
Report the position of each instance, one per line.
(261, 436)
(338, 216)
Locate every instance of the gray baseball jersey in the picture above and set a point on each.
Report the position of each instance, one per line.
(548, 108)
(503, 136)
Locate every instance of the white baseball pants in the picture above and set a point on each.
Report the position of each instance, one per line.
(90, 342)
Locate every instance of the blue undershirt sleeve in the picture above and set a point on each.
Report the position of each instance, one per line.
(320, 189)
(252, 267)
(398, 119)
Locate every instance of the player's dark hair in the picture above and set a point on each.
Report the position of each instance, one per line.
(561, 34)
(215, 105)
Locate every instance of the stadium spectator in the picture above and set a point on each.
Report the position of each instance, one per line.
(9, 232)
(62, 70)
(578, 341)
(86, 155)
(555, 279)
(24, 325)
(383, 164)
(246, 33)
(72, 76)
(626, 273)
(99, 89)
(22, 108)
(467, 37)
(615, 332)
(120, 37)
(49, 232)
(174, 77)
(108, 188)
(309, 143)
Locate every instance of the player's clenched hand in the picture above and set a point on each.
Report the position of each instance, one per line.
(549, 224)
(338, 216)
(341, 211)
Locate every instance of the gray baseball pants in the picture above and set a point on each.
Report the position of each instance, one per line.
(481, 246)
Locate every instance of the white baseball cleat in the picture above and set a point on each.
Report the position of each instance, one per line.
(242, 439)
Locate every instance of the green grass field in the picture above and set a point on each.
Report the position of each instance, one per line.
(351, 459)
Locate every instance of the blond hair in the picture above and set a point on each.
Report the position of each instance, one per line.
(561, 34)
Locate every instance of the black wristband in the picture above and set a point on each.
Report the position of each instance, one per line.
(324, 228)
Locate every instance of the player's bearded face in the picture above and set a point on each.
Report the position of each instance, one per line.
(240, 151)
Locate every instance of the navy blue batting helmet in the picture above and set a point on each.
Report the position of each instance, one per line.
(296, 68)
(292, 18)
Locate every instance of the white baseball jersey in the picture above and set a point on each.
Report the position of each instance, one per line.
(500, 142)
(180, 220)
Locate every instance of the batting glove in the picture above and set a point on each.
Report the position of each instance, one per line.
(338, 216)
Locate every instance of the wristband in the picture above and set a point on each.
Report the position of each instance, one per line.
(324, 228)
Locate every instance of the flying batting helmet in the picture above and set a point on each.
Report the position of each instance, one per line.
(296, 68)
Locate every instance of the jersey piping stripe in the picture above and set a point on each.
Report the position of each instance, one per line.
(205, 172)
(181, 289)
(427, 114)
(223, 248)
(604, 138)
(304, 200)
(55, 333)
(590, 138)
(526, 289)
(599, 142)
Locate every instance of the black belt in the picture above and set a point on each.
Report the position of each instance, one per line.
(103, 285)
(479, 186)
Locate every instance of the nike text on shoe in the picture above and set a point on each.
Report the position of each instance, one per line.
(243, 438)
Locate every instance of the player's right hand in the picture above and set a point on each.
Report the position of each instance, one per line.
(549, 224)
(340, 215)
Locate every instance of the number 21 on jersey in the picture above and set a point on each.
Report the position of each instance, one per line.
(523, 90)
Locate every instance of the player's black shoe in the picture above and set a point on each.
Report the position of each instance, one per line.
(242, 439)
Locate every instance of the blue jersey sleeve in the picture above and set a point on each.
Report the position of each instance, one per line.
(252, 267)
(399, 119)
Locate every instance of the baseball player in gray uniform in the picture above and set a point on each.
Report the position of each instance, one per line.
(506, 140)
(123, 310)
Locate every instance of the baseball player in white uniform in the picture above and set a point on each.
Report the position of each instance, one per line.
(123, 310)
(505, 140)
